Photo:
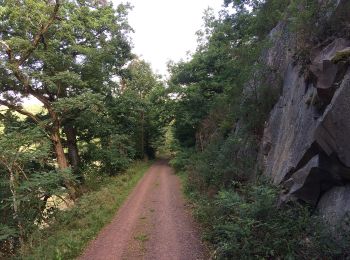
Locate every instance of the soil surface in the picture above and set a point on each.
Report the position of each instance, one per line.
(154, 223)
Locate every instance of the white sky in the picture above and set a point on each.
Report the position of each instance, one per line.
(165, 29)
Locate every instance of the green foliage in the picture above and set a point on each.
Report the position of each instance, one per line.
(66, 54)
(72, 229)
(309, 18)
(27, 180)
(116, 155)
(144, 93)
(314, 23)
(244, 223)
(181, 159)
(101, 107)
(227, 61)
(82, 51)
(140, 78)
(256, 108)
(7, 232)
(222, 98)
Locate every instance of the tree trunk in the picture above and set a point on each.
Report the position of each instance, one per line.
(142, 134)
(73, 152)
(15, 207)
(57, 143)
(62, 162)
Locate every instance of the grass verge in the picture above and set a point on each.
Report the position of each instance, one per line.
(244, 222)
(73, 229)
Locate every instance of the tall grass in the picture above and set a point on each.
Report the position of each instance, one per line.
(71, 231)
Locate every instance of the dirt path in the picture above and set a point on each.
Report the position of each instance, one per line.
(152, 224)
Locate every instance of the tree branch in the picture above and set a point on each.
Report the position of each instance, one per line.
(20, 110)
(8, 50)
(29, 90)
(22, 77)
(2, 116)
(42, 31)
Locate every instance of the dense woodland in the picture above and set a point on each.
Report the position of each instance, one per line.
(100, 104)
(103, 108)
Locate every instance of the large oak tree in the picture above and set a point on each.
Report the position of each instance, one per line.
(56, 50)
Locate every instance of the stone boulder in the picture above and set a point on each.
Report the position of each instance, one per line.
(334, 206)
(332, 130)
(320, 174)
(326, 70)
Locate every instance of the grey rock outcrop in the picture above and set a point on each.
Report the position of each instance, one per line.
(306, 141)
(332, 131)
(308, 182)
(326, 71)
(290, 128)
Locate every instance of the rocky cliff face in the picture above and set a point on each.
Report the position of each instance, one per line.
(306, 142)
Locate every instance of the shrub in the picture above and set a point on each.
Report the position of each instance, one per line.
(245, 223)
(181, 159)
(223, 162)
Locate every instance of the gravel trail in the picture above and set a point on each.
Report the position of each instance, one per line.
(153, 223)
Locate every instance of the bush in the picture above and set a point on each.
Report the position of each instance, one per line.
(112, 154)
(181, 159)
(245, 223)
(223, 162)
(70, 231)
